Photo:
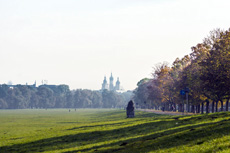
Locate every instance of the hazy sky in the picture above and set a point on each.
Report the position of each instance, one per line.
(78, 42)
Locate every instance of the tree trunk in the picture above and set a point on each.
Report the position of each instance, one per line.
(213, 105)
(217, 106)
(174, 107)
(198, 109)
(193, 109)
(207, 107)
(188, 107)
(202, 108)
(222, 105)
(182, 107)
(227, 102)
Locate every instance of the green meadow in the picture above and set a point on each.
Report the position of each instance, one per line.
(108, 130)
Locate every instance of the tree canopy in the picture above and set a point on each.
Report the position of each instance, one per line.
(205, 72)
(60, 96)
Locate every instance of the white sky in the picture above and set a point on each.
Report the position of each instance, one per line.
(77, 42)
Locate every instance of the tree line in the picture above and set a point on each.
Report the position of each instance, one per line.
(205, 72)
(60, 96)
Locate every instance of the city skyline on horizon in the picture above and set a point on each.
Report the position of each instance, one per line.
(46, 82)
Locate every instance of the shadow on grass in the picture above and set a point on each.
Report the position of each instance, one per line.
(149, 115)
(120, 114)
(126, 121)
(86, 138)
(99, 125)
(159, 139)
(166, 139)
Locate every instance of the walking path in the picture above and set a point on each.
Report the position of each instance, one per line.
(165, 112)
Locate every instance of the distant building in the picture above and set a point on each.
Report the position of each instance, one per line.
(48, 86)
(111, 86)
(12, 86)
(105, 84)
(117, 87)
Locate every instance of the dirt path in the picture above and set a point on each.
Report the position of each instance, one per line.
(165, 112)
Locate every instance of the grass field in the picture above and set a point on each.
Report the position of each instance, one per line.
(108, 130)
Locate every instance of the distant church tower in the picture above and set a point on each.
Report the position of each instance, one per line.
(111, 87)
(117, 87)
(105, 84)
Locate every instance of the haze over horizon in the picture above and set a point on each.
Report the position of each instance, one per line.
(79, 42)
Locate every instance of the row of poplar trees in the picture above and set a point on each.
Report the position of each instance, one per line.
(205, 72)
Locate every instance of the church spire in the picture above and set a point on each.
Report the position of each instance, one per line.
(104, 84)
(117, 87)
(111, 87)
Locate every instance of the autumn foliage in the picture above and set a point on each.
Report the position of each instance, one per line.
(205, 72)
